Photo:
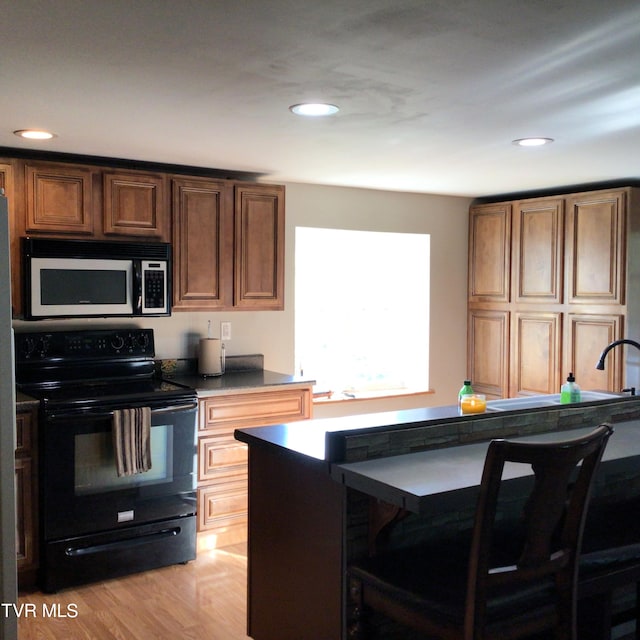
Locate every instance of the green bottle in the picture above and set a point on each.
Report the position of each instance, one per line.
(570, 391)
(466, 390)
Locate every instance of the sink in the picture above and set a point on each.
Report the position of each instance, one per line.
(550, 400)
(525, 402)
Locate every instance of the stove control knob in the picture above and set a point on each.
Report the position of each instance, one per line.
(117, 342)
(143, 340)
(28, 346)
(42, 346)
(130, 342)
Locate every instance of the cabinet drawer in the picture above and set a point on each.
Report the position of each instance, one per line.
(222, 505)
(219, 456)
(24, 423)
(222, 414)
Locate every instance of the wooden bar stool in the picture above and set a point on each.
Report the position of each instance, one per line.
(507, 582)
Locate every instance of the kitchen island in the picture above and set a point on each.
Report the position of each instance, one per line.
(324, 492)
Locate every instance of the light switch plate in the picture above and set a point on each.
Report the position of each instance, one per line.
(225, 331)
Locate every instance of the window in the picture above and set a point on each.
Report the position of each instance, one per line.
(362, 310)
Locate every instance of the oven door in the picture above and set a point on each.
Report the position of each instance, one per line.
(80, 488)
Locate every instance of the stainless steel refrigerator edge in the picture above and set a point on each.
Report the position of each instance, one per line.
(8, 578)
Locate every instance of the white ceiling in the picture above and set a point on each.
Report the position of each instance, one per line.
(432, 92)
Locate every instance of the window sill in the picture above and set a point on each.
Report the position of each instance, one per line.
(329, 397)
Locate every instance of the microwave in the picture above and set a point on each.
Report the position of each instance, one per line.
(93, 278)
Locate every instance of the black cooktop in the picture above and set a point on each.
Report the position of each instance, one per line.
(101, 391)
(113, 367)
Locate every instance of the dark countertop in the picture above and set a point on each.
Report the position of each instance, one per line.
(410, 481)
(25, 402)
(309, 438)
(235, 381)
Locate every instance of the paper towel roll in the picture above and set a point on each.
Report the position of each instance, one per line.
(210, 357)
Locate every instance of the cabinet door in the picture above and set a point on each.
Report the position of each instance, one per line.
(6, 178)
(7, 183)
(259, 247)
(135, 204)
(587, 335)
(535, 353)
(489, 252)
(537, 251)
(26, 497)
(25, 529)
(202, 244)
(488, 352)
(59, 199)
(596, 237)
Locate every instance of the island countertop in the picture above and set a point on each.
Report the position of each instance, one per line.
(328, 439)
(309, 438)
(409, 481)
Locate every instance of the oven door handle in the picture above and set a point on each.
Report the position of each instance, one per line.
(182, 407)
(106, 414)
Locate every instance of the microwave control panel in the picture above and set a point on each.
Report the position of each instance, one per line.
(154, 291)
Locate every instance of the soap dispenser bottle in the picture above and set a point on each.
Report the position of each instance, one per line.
(465, 391)
(570, 391)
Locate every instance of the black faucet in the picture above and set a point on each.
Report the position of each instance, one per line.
(608, 348)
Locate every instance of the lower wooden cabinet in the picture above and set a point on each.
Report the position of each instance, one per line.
(488, 351)
(222, 460)
(26, 496)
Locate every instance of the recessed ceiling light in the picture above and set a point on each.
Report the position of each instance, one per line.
(34, 134)
(532, 142)
(314, 109)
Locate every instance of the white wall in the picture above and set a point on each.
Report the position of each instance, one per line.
(272, 332)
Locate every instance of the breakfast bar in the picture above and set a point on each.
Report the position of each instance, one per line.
(325, 492)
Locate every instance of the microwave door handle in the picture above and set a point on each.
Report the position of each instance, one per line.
(138, 285)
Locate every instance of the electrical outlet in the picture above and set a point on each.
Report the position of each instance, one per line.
(225, 331)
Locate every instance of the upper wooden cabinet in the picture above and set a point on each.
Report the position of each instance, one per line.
(203, 244)
(259, 247)
(490, 252)
(7, 182)
(596, 248)
(59, 199)
(537, 251)
(568, 295)
(84, 201)
(227, 236)
(229, 245)
(135, 204)
(6, 179)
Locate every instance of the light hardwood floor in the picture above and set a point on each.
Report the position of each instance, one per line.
(204, 599)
